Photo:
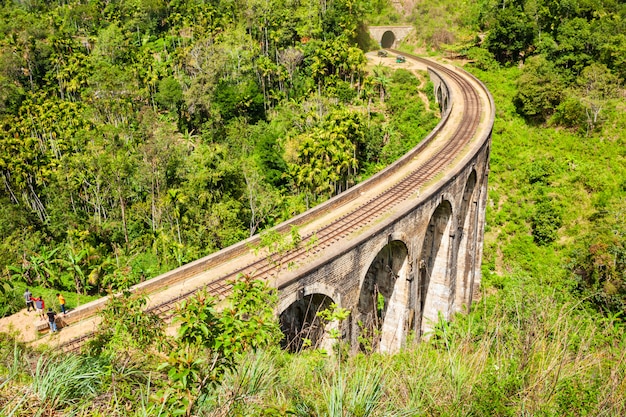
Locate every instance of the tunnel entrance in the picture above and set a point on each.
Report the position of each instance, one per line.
(388, 39)
(382, 299)
(433, 293)
(300, 324)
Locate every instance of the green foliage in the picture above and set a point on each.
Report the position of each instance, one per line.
(410, 120)
(328, 157)
(382, 13)
(118, 190)
(276, 244)
(248, 321)
(210, 344)
(125, 326)
(541, 171)
(239, 100)
(170, 94)
(511, 36)
(540, 89)
(335, 315)
(598, 262)
(357, 395)
(570, 113)
(482, 59)
(597, 85)
(130, 123)
(10, 299)
(448, 22)
(568, 43)
(558, 191)
(248, 389)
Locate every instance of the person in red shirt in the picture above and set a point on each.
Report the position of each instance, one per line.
(40, 306)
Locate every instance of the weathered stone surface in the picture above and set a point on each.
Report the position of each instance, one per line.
(434, 257)
(389, 36)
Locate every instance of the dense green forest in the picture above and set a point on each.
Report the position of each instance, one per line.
(138, 136)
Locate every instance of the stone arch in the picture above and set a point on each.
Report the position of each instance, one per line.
(433, 263)
(299, 321)
(467, 227)
(439, 96)
(388, 39)
(383, 299)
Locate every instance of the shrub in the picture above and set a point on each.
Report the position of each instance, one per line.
(482, 59)
(10, 300)
(211, 343)
(545, 221)
(125, 326)
(570, 113)
(540, 89)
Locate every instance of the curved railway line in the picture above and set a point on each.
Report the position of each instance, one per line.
(360, 216)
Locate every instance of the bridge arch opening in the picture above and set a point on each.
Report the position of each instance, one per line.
(383, 298)
(467, 229)
(433, 291)
(439, 96)
(388, 39)
(299, 323)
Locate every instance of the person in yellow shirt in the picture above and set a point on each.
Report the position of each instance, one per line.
(62, 302)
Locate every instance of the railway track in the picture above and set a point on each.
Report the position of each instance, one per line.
(316, 242)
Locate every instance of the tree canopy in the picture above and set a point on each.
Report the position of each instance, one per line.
(138, 136)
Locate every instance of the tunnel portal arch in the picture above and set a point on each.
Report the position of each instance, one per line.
(389, 36)
(388, 40)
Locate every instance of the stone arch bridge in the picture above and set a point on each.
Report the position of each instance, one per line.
(398, 251)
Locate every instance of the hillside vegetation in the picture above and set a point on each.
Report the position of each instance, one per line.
(545, 338)
(138, 136)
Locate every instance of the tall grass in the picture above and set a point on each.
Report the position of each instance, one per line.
(13, 360)
(357, 394)
(523, 351)
(527, 348)
(246, 390)
(61, 381)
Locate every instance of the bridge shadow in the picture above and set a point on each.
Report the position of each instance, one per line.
(301, 325)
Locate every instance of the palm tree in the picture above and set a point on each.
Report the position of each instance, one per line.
(42, 264)
(74, 265)
(382, 81)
